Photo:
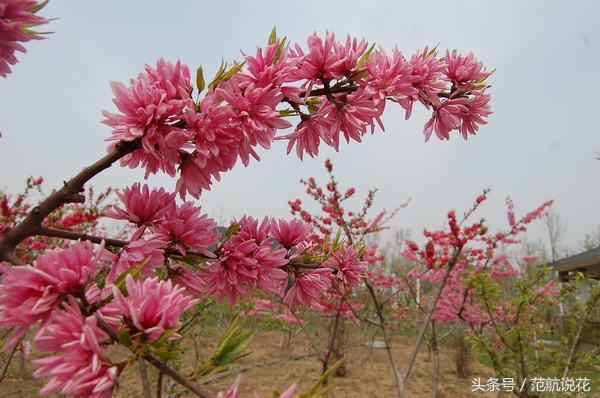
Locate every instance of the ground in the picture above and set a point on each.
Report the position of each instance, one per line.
(269, 367)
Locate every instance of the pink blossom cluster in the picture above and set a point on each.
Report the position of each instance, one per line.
(17, 17)
(335, 89)
(469, 251)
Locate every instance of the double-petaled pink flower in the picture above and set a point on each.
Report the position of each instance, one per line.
(153, 306)
(30, 293)
(78, 366)
(185, 228)
(291, 233)
(350, 268)
(247, 261)
(309, 286)
(16, 21)
(148, 108)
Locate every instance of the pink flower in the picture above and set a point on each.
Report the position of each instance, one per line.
(135, 253)
(350, 267)
(255, 117)
(247, 261)
(194, 281)
(353, 114)
(184, 227)
(234, 389)
(464, 71)
(29, 293)
(142, 207)
(25, 348)
(148, 109)
(153, 306)
(308, 134)
(16, 21)
(78, 366)
(308, 286)
(289, 234)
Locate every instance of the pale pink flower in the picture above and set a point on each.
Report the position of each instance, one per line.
(291, 233)
(184, 228)
(78, 366)
(153, 306)
(15, 17)
(29, 293)
(234, 390)
(308, 286)
(25, 348)
(148, 108)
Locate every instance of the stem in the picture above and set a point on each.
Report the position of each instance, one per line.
(9, 357)
(425, 325)
(69, 193)
(400, 379)
(144, 377)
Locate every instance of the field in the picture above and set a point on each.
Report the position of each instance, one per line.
(269, 366)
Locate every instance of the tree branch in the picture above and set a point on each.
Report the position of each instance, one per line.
(69, 193)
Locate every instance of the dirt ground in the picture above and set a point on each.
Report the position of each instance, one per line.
(269, 367)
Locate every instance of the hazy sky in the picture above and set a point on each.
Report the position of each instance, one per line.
(540, 142)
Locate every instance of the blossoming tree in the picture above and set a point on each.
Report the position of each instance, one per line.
(135, 294)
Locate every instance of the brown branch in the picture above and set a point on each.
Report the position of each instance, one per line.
(69, 193)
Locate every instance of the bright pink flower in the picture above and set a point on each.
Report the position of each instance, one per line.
(15, 17)
(247, 261)
(78, 366)
(289, 234)
(446, 118)
(308, 134)
(390, 77)
(142, 207)
(29, 293)
(308, 286)
(135, 253)
(255, 117)
(153, 306)
(353, 114)
(428, 78)
(478, 109)
(463, 71)
(184, 228)
(194, 281)
(148, 108)
(350, 267)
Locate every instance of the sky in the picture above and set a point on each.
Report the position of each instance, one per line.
(540, 142)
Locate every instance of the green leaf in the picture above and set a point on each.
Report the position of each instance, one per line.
(273, 36)
(200, 83)
(38, 7)
(164, 337)
(133, 271)
(229, 349)
(314, 391)
(124, 338)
